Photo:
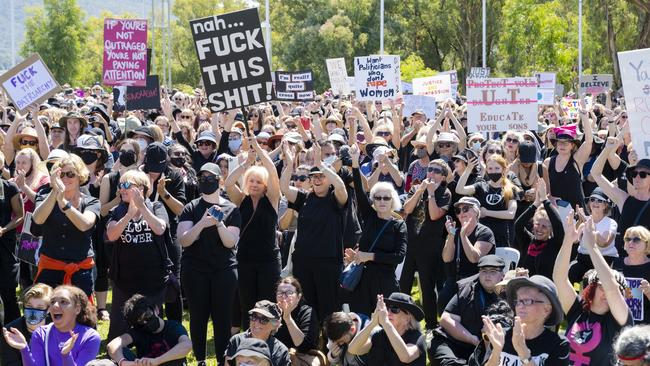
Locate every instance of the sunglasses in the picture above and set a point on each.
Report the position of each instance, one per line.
(494, 151)
(634, 173)
(463, 209)
(260, 319)
(634, 239)
(301, 178)
(394, 309)
(444, 145)
(204, 143)
(624, 116)
(68, 174)
(290, 126)
(126, 185)
(435, 170)
(512, 141)
(528, 302)
(383, 133)
(186, 117)
(596, 200)
(382, 198)
(30, 143)
(207, 179)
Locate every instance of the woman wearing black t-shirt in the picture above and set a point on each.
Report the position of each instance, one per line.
(637, 264)
(136, 228)
(318, 249)
(66, 220)
(258, 254)
(208, 230)
(300, 328)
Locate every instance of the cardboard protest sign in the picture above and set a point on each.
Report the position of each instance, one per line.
(125, 52)
(351, 84)
(545, 80)
(423, 102)
(559, 90)
(545, 96)
(634, 297)
(298, 85)
(144, 97)
(338, 75)
(571, 107)
(377, 77)
(29, 82)
(595, 84)
(438, 86)
(501, 104)
(479, 73)
(453, 76)
(635, 75)
(119, 98)
(233, 60)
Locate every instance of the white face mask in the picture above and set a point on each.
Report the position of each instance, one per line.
(329, 160)
(143, 144)
(476, 146)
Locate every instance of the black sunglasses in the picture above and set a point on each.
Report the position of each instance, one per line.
(634, 239)
(634, 173)
(383, 133)
(382, 198)
(444, 145)
(260, 319)
(207, 179)
(394, 309)
(30, 143)
(204, 143)
(512, 141)
(463, 209)
(596, 200)
(301, 178)
(435, 170)
(68, 174)
(493, 151)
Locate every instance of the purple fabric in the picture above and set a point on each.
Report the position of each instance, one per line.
(84, 350)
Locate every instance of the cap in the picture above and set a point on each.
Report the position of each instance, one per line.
(335, 137)
(491, 260)
(598, 193)
(90, 142)
(267, 308)
(405, 302)
(207, 136)
(142, 131)
(447, 137)
(468, 201)
(315, 170)
(211, 168)
(155, 158)
(527, 152)
(252, 347)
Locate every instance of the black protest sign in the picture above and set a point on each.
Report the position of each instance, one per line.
(233, 60)
(144, 97)
(297, 85)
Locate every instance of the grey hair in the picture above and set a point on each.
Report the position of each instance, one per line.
(385, 186)
(634, 342)
(412, 323)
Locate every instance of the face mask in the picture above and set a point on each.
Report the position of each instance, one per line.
(34, 316)
(494, 176)
(152, 324)
(234, 145)
(143, 144)
(476, 146)
(208, 187)
(420, 153)
(329, 160)
(89, 157)
(178, 162)
(127, 158)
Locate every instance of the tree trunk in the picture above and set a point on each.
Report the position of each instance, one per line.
(611, 45)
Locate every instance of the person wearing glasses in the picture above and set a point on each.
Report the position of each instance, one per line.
(265, 319)
(530, 342)
(21, 136)
(300, 328)
(66, 219)
(208, 230)
(69, 340)
(400, 341)
(595, 317)
(636, 264)
(426, 208)
(510, 142)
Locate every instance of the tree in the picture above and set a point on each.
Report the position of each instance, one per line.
(58, 34)
(413, 67)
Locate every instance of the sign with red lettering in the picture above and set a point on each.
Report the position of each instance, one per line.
(377, 77)
(438, 86)
(125, 52)
(635, 75)
(29, 82)
(144, 97)
(496, 105)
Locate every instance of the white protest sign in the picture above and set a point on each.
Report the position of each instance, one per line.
(502, 104)
(351, 83)
(559, 89)
(635, 75)
(595, 84)
(423, 102)
(453, 76)
(546, 80)
(29, 82)
(438, 86)
(338, 75)
(545, 96)
(377, 77)
(571, 107)
(634, 297)
(479, 73)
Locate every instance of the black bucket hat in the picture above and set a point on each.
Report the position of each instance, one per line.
(406, 303)
(543, 284)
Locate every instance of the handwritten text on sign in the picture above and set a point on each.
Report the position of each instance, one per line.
(634, 297)
(233, 60)
(338, 75)
(495, 105)
(635, 75)
(125, 52)
(595, 84)
(29, 82)
(438, 86)
(377, 77)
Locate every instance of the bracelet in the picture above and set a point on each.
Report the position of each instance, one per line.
(119, 363)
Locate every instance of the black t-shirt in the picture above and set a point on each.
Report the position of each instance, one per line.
(460, 267)
(61, 239)
(548, 349)
(591, 336)
(279, 352)
(10, 356)
(421, 228)
(152, 345)
(207, 253)
(492, 199)
(8, 239)
(257, 239)
(632, 208)
(176, 188)
(138, 264)
(320, 226)
(307, 320)
(635, 273)
(382, 353)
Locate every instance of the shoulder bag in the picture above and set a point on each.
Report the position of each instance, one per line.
(351, 275)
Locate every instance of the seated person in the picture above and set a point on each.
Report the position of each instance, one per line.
(340, 328)
(460, 324)
(157, 341)
(36, 300)
(265, 320)
(251, 352)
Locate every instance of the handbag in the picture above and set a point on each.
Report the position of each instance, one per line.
(28, 245)
(351, 275)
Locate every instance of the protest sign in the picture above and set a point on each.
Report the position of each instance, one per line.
(351, 83)
(125, 52)
(453, 76)
(119, 98)
(29, 82)
(545, 80)
(438, 86)
(423, 102)
(298, 85)
(559, 90)
(545, 96)
(144, 97)
(634, 297)
(571, 107)
(377, 77)
(233, 60)
(501, 104)
(635, 75)
(595, 84)
(338, 75)
(479, 73)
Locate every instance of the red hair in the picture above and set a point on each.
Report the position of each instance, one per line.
(588, 295)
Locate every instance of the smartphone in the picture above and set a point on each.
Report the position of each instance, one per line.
(93, 119)
(217, 214)
(306, 123)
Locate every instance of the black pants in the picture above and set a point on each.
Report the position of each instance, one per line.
(118, 324)
(103, 257)
(374, 281)
(9, 268)
(320, 283)
(209, 295)
(442, 352)
(257, 281)
(174, 309)
(582, 265)
(430, 271)
(82, 279)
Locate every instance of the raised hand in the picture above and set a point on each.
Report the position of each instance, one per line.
(14, 338)
(589, 234)
(67, 346)
(571, 232)
(518, 339)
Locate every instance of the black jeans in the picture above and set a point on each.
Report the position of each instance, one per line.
(103, 257)
(174, 309)
(118, 324)
(319, 278)
(9, 268)
(82, 279)
(430, 272)
(257, 281)
(209, 295)
(443, 352)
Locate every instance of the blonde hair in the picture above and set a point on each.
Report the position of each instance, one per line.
(38, 291)
(508, 187)
(77, 165)
(387, 187)
(156, 131)
(33, 157)
(642, 233)
(138, 178)
(258, 172)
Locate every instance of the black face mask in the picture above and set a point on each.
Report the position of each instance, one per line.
(152, 324)
(178, 161)
(127, 158)
(208, 187)
(89, 157)
(494, 176)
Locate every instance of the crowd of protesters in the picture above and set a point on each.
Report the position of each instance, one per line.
(520, 242)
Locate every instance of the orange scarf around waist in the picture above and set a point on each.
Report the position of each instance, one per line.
(70, 269)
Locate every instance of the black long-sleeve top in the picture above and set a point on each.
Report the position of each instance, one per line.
(539, 256)
(390, 248)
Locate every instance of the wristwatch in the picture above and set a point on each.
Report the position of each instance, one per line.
(67, 206)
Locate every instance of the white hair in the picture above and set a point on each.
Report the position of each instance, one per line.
(387, 187)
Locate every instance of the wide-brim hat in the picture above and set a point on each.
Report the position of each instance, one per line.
(252, 347)
(331, 118)
(63, 121)
(420, 142)
(643, 163)
(406, 303)
(543, 284)
(26, 132)
(371, 147)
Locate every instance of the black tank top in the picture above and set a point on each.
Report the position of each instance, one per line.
(257, 238)
(567, 184)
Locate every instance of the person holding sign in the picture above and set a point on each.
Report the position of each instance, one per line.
(636, 266)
